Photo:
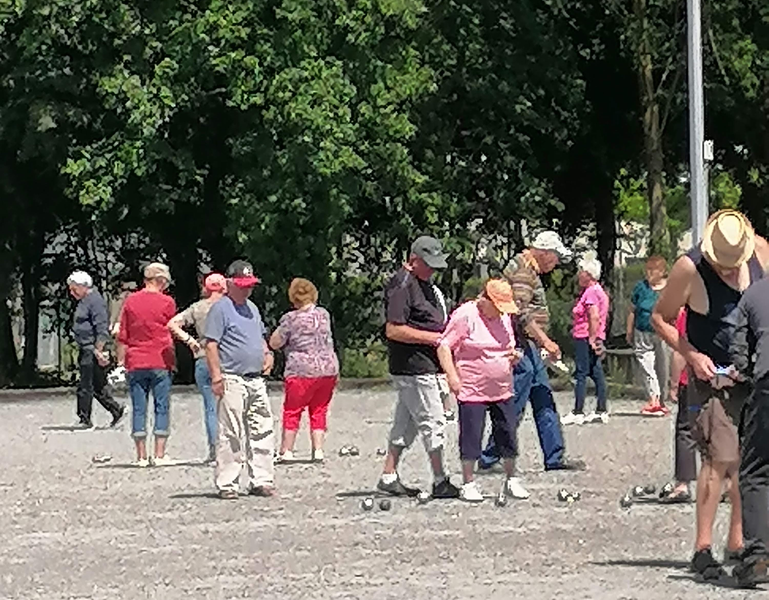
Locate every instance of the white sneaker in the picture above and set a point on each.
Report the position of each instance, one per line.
(163, 461)
(141, 463)
(287, 456)
(470, 492)
(573, 419)
(514, 488)
(598, 417)
(318, 456)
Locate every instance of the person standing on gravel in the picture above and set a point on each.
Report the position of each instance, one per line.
(90, 329)
(530, 378)
(415, 320)
(214, 287)
(709, 282)
(238, 358)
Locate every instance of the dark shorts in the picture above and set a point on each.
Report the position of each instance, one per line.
(472, 421)
(715, 416)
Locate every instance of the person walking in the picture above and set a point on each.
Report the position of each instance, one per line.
(311, 370)
(589, 332)
(90, 329)
(477, 352)
(214, 286)
(146, 350)
(652, 353)
(530, 379)
(414, 324)
(238, 358)
(709, 281)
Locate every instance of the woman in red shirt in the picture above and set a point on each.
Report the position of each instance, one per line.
(146, 349)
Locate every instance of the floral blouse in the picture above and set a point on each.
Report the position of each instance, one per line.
(308, 343)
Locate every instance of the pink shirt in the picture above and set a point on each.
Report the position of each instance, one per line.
(480, 347)
(593, 295)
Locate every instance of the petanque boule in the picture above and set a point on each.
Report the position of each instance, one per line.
(423, 497)
(353, 451)
(650, 488)
(381, 452)
(638, 491)
(666, 489)
(367, 504)
(626, 501)
(501, 500)
(563, 495)
(385, 505)
(344, 451)
(576, 496)
(101, 458)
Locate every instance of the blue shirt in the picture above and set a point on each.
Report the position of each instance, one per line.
(239, 331)
(91, 321)
(644, 298)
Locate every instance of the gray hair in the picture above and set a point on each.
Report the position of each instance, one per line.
(80, 278)
(591, 266)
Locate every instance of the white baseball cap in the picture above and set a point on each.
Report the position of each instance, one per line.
(80, 278)
(550, 240)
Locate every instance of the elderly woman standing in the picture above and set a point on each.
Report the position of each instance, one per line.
(589, 332)
(311, 368)
(477, 352)
(214, 287)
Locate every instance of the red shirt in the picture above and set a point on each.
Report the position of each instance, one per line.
(681, 327)
(144, 331)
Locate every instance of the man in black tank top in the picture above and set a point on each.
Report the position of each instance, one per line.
(709, 282)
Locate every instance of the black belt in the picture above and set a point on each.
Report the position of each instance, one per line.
(251, 375)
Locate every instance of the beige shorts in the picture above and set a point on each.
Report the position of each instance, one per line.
(418, 411)
(715, 416)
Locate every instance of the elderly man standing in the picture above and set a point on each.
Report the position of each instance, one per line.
(709, 282)
(91, 332)
(415, 322)
(238, 357)
(530, 379)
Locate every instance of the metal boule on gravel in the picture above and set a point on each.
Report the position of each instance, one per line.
(576, 496)
(423, 497)
(354, 451)
(101, 458)
(501, 500)
(626, 501)
(638, 491)
(666, 489)
(344, 451)
(650, 488)
(385, 505)
(563, 495)
(381, 452)
(367, 504)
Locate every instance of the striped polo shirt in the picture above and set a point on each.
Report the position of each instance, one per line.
(528, 290)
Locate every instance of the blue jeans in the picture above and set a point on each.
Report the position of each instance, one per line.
(588, 365)
(140, 383)
(203, 380)
(531, 383)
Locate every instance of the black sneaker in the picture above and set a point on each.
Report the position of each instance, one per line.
(396, 488)
(445, 489)
(567, 464)
(707, 567)
(118, 417)
(752, 568)
(732, 557)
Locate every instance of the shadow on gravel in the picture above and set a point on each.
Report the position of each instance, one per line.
(296, 461)
(654, 563)
(634, 415)
(74, 428)
(726, 582)
(195, 496)
(186, 463)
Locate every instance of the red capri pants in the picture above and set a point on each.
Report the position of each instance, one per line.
(312, 393)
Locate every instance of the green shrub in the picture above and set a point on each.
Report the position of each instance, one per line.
(364, 364)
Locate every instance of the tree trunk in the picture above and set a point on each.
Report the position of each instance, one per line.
(30, 285)
(659, 242)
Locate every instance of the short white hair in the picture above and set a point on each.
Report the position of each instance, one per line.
(80, 278)
(591, 266)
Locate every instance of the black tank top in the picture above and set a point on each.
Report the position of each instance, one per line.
(712, 333)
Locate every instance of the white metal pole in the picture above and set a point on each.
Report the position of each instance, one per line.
(697, 176)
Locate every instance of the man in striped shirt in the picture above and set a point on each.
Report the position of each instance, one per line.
(530, 379)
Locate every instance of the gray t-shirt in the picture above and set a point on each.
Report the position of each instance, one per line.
(239, 331)
(195, 316)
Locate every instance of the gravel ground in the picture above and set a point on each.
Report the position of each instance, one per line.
(73, 529)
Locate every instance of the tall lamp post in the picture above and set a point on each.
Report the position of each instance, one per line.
(698, 175)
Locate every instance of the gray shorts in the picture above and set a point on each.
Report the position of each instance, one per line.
(418, 410)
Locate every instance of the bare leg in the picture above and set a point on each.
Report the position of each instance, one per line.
(317, 437)
(468, 471)
(735, 541)
(141, 448)
(160, 446)
(709, 485)
(392, 459)
(288, 441)
(509, 464)
(436, 462)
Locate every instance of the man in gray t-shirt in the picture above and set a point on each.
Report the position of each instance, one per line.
(237, 357)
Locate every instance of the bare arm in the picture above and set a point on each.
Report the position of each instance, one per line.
(593, 319)
(671, 300)
(762, 252)
(630, 325)
(677, 366)
(276, 340)
(409, 335)
(446, 358)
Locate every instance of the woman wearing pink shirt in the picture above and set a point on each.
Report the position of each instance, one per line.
(477, 352)
(589, 332)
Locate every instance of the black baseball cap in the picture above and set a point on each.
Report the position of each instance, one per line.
(242, 274)
(429, 250)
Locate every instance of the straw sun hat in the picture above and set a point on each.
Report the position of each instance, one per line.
(728, 240)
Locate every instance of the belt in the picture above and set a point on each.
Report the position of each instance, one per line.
(245, 375)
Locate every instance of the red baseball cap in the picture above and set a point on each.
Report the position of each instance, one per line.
(242, 274)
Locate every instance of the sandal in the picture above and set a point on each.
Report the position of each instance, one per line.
(677, 497)
(228, 495)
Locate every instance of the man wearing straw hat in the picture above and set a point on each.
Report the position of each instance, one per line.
(709, 282)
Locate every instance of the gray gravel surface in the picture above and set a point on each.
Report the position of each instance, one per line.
(70, 528)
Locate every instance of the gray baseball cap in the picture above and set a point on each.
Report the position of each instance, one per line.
(429, 250)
